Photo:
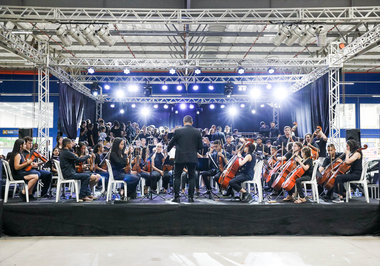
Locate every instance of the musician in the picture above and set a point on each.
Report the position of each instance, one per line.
(67, 161)
(188, 142)
(265, 128)
(261, 149)
(247, 164)
(283, 140)
(354, 173)
(235, 134)
(321, 141)
(144, 133)
(310, 142)
(143, 142)
(273, 131)
(157, 173)
(98, 151)
(205, 146)
(59, 143)
(18, 163)
(116, 131)
(44, 176)
(83, 131)
(307, 164)
(55, 156)
(268, 143)
(118, 159)
(90, 137)
(215, 165)
(102, 134)
(229, 147)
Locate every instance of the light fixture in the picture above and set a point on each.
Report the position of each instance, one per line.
(307, 35)
(240, 70)
(62, 35)
(155, 106)
(253, 111)
(91, 70)
(242, 105)
(212, 106)
(95, 89)
(172, 71)
(262, 105)
(179, 87)
(176, 111)
(211, 87)
(281, 35)
(242, 87)
(126, 71)
(271, 70)
(197, 112)
(107, 87)
(321, 36)
(119, 93)
(255, 93)
(164, 87)
(78, 36)
(222, 106)
(145, 111)
(105, 35)
(112, 105)
(195, 87)
(147, 90)
(182, 106)
(133, 105)
(232, 111)
(280, 93)
(229, 89)
(294, 34)
(191, 106)
(269, 86)
(197, 71)
(166, 106)
(121, 111)
(133, 87)
(91, 36)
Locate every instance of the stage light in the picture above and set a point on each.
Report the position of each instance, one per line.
(78, 36)
(145, 111)
(133, 105)
(240, 70)
(107, 87)
(294, 35)
(119, 93)
(122, 111)
(179, 87)
(210, 87)
(172, 71)
(164, 87)
(155, 106)
(133, 87)
(281, 35)
(229, 89)
(262, 105)
(176, 111)
(271, 70)
(182, 106)
(95, 89)
(105, 35)
(197, 112)
(281, 93)
(197, 71)
(62, 35)
(232, 111)
(242, 87)
(212, 106)
(253, 112)
(126, 71)
(112, 105)
(307, 35)
(91, 36)
(166, 106)
(255, 93)
(242, 105)
(147, 90)
(195, 87)
(91, 70)
(269, 86)
(321, 36)
(222, 106)
(191, 106)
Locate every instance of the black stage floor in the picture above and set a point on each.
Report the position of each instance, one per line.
(224, 217)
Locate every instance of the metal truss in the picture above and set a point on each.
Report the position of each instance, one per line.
(263, 79)
(276, 114)
(334, 108)
(188, 16)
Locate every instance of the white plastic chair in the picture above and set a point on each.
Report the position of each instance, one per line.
(62, 181)
(313, 183)
(112, 182)
(256, 181)
(10, 181)
(362, 181)
(103, 179)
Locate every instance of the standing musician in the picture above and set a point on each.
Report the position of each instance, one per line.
(157, 166)
(261, 149)
(354, 173)
(283, 140)
(321, 141)
(246, 172)
(274, 132)
(188, 142)
(216, 170)
(307, 164)
(229, 146)
(118, 159)
(219, 135)
(98, 151)
(205, 146)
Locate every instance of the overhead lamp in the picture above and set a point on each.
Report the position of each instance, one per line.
(121, 111)
(62, 35)
(253, 111)
(176, 111)
(126, 71)
(166, 106)
(191, 106)
(281, 35)
(195, 87)
(321, 36)
(242, 105)
(182, 106)
(172, 71)
(198, 113)
(211, 87)
(294, 34)
(107, 87)
(232, 111)
(145, 111)
(307, 35)
(91, 36)
(147, 90)
(262, 105)
(212, 106)
(242, 87)
(269, 86)
(271, 70)
(164, 87)
(255, 93)
(105, 35)
(119, 93)
(133, 105)
(229, 89)
(222, 106)
(155, 106)
(280, 93)
(95, 89)
(197, 71)
(240, 70)
(133, 88)
(91, 70)
(78, 36)
(179, 87)
(112, 105)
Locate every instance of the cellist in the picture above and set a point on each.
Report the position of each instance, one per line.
(247, 164)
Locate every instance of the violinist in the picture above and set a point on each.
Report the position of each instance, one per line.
(218, 156)
(157, 173)
(247, 164)
(118, 159)
(82, 151)
(307, 164)
(144, 174)
(98, 151)
(355, 159)
(283, 140)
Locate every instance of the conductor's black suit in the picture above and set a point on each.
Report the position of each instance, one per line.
(187, 141)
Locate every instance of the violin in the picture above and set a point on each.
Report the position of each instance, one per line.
(80, 168)
(127, 168)
(340, 169)
(293, 176)
(295, 125)
(285, 170)
(136, 167)
(33, 155)
(92, 162)
(314, 150)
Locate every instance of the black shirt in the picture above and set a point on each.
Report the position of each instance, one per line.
(274, 132)
(68, 160)
(309, 172)
(118, 163)
(116, 132)
(89, 134)
(84, 136)
(230, 148)
(219, 136)
(321, 145)
(260, 148)
(283, 141)
(158, 160)
(289, 154)
(328, 159)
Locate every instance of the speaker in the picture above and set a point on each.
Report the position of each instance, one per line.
(353, 134)
(23, 132)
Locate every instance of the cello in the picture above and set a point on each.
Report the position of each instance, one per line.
(285, 170)
(268, 167)
(328, 171)
(293, 176)
(341, 168)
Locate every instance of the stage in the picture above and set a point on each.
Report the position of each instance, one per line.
(205, 217)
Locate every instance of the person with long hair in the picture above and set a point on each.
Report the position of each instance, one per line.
(59, 143)
(118, 159)
(83, 131)
(98, 151)
(18, 163)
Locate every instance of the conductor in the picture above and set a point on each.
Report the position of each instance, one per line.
(188, 142)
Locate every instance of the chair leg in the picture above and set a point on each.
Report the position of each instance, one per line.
(316, 192)
(14, 190)
(26, 192)
(103, 184)
(76, 190)
(142, 181)
(6, 191)
(58, 193)
(109, 189)
(365, 187)
(348, 191)
(260, 190)
(125, 190)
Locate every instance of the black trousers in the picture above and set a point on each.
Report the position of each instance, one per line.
(235, 183)
(185, 179)
(341, 179)
(178, 168)
(206, 177)
(299, 185)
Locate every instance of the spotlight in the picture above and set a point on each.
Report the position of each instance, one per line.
(133, 87)
(133, 105)
(232, 111)
(122, 111)
(197, 112)
(281, 35)
(253, 112)
(112, 105)
(270, 70)
(145, 111)
(228, 89)
(176, 111)
(191, 106)
(195, 87)
(295, 34)
(179, 87)
(126, 71)
(155, 106)
(222, 106)
(91, 36)
(182, 106)
(212, 106)
(321, 36)
(120, 93)
(262, 105)
(78, 36)
(240, 70)
(91, 70)
(107, 87)
(281, 93)
(269, 86)
(95, 89)
(166, 106)
(307, 35)
(164, 87)
(62, 35)
(242, 87)
(255, 93)
(197, 71)
(105, 35)
(172, 71)
(147, 90)
(210, 87)
(242, 105)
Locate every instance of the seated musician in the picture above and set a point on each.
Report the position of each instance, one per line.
(229, 146)
(215, 167)
(283, 140)
(310, 142)
(118, 159)
(67, 161)
(18, 163)
(245, 173)
(205, 146)
(332, 155)
(355, 159)
(55, 156)
(307, 164)
(144, 174)
(157, 173)
(101, 170)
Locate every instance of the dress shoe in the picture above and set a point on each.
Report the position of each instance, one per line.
(230, 193)
(176, 200)
(191, 200)
(32, 198)
(22, 196)
(247, 197)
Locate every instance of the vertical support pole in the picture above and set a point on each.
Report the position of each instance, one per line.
(334, 108)
(276, 114)
(99, 105)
